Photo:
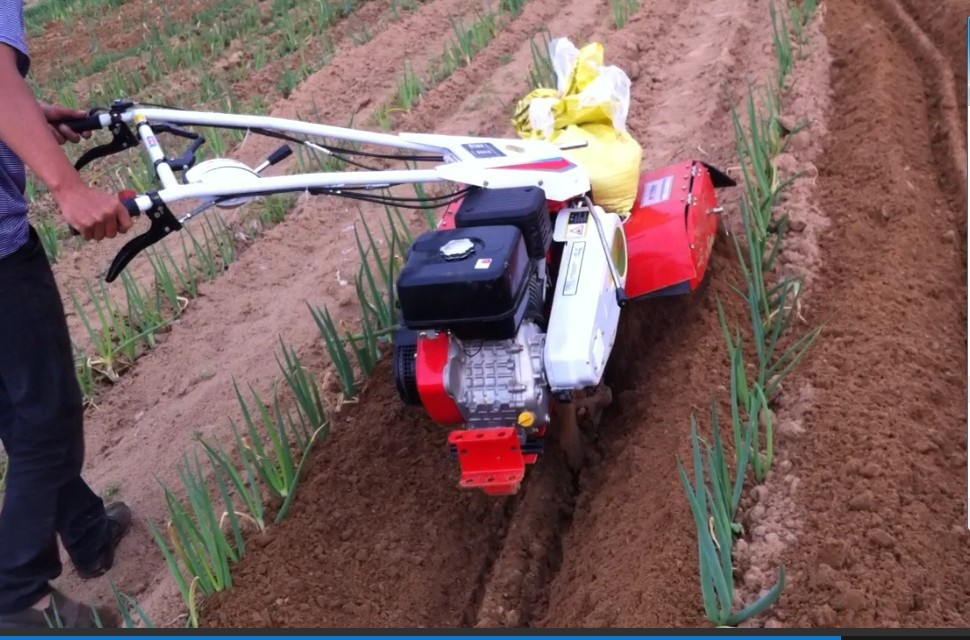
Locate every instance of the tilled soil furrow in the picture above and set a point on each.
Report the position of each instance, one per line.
(943, 111)
(515, 591)
(945, 21)
(882, 473)
(493, 551)
(379, 535)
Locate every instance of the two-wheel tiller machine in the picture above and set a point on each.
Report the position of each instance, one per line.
(509, 308)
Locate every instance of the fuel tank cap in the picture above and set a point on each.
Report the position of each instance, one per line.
(457, 249)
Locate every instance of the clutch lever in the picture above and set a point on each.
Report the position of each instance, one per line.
(163, 222)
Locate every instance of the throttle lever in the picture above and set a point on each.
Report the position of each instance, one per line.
(163, 222)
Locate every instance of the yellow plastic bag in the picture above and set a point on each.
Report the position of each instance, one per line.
(590, 104)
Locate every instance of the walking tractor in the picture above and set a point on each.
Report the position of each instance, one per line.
(508, 310)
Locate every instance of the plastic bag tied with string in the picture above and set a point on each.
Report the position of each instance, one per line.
(588, 106)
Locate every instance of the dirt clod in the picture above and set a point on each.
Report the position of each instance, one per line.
(864, 501)
(882, 538)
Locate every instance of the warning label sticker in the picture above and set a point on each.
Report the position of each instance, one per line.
(483, 263)
(576, 231)
(657, 191)
(574, 268)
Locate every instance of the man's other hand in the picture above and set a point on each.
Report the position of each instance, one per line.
(95, 214)
(62, 132)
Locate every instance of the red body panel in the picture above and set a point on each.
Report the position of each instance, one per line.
(430, 362)
(671, 229)
(448, 217)
(491, 459)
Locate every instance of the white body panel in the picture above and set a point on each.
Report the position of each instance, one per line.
(585, 314)
(492, 162)
(222, 171)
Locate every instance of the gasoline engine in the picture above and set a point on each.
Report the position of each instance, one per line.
(487, 341)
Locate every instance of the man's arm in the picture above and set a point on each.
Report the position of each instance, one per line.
(24, 128)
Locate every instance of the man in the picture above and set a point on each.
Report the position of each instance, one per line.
(41, 417)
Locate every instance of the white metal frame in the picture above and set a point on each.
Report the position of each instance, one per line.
(561, 179)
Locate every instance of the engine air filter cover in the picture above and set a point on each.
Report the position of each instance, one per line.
(469, 281)
(523, 207)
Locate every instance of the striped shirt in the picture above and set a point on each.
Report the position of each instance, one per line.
(13, 176)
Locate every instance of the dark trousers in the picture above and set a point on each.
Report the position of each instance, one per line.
(41, 426)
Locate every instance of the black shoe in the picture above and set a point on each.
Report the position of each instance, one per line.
(64, 613)
(119, 523)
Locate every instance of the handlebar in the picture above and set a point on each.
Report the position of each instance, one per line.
(83, 125)
(127, 198)
(132, 126)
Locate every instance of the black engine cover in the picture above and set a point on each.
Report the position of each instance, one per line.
(405, 372)
(524, 207)
(471, 281)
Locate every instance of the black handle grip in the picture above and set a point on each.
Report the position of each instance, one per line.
(131, 206)
(129, 203)
(128, 252)
(280, 154)
(83, 125)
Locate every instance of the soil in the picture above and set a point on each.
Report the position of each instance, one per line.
(115, 30)
(354, 550)
(882, 470)
(866, 505)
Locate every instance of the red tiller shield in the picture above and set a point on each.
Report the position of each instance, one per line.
(671, 229)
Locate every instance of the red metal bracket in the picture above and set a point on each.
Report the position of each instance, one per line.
(491, 459)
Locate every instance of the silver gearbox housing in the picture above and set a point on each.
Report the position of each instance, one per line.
(493, 382)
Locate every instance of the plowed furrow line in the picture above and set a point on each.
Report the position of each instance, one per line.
(949, 142)
(883, 475)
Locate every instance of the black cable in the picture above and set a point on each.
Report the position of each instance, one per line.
(160, 106)
(461, 191)
(390, 200)
(339, 151)
(391, 156)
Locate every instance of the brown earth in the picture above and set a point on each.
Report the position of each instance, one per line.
(357, 549)
(882, 469)
(867, 507)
